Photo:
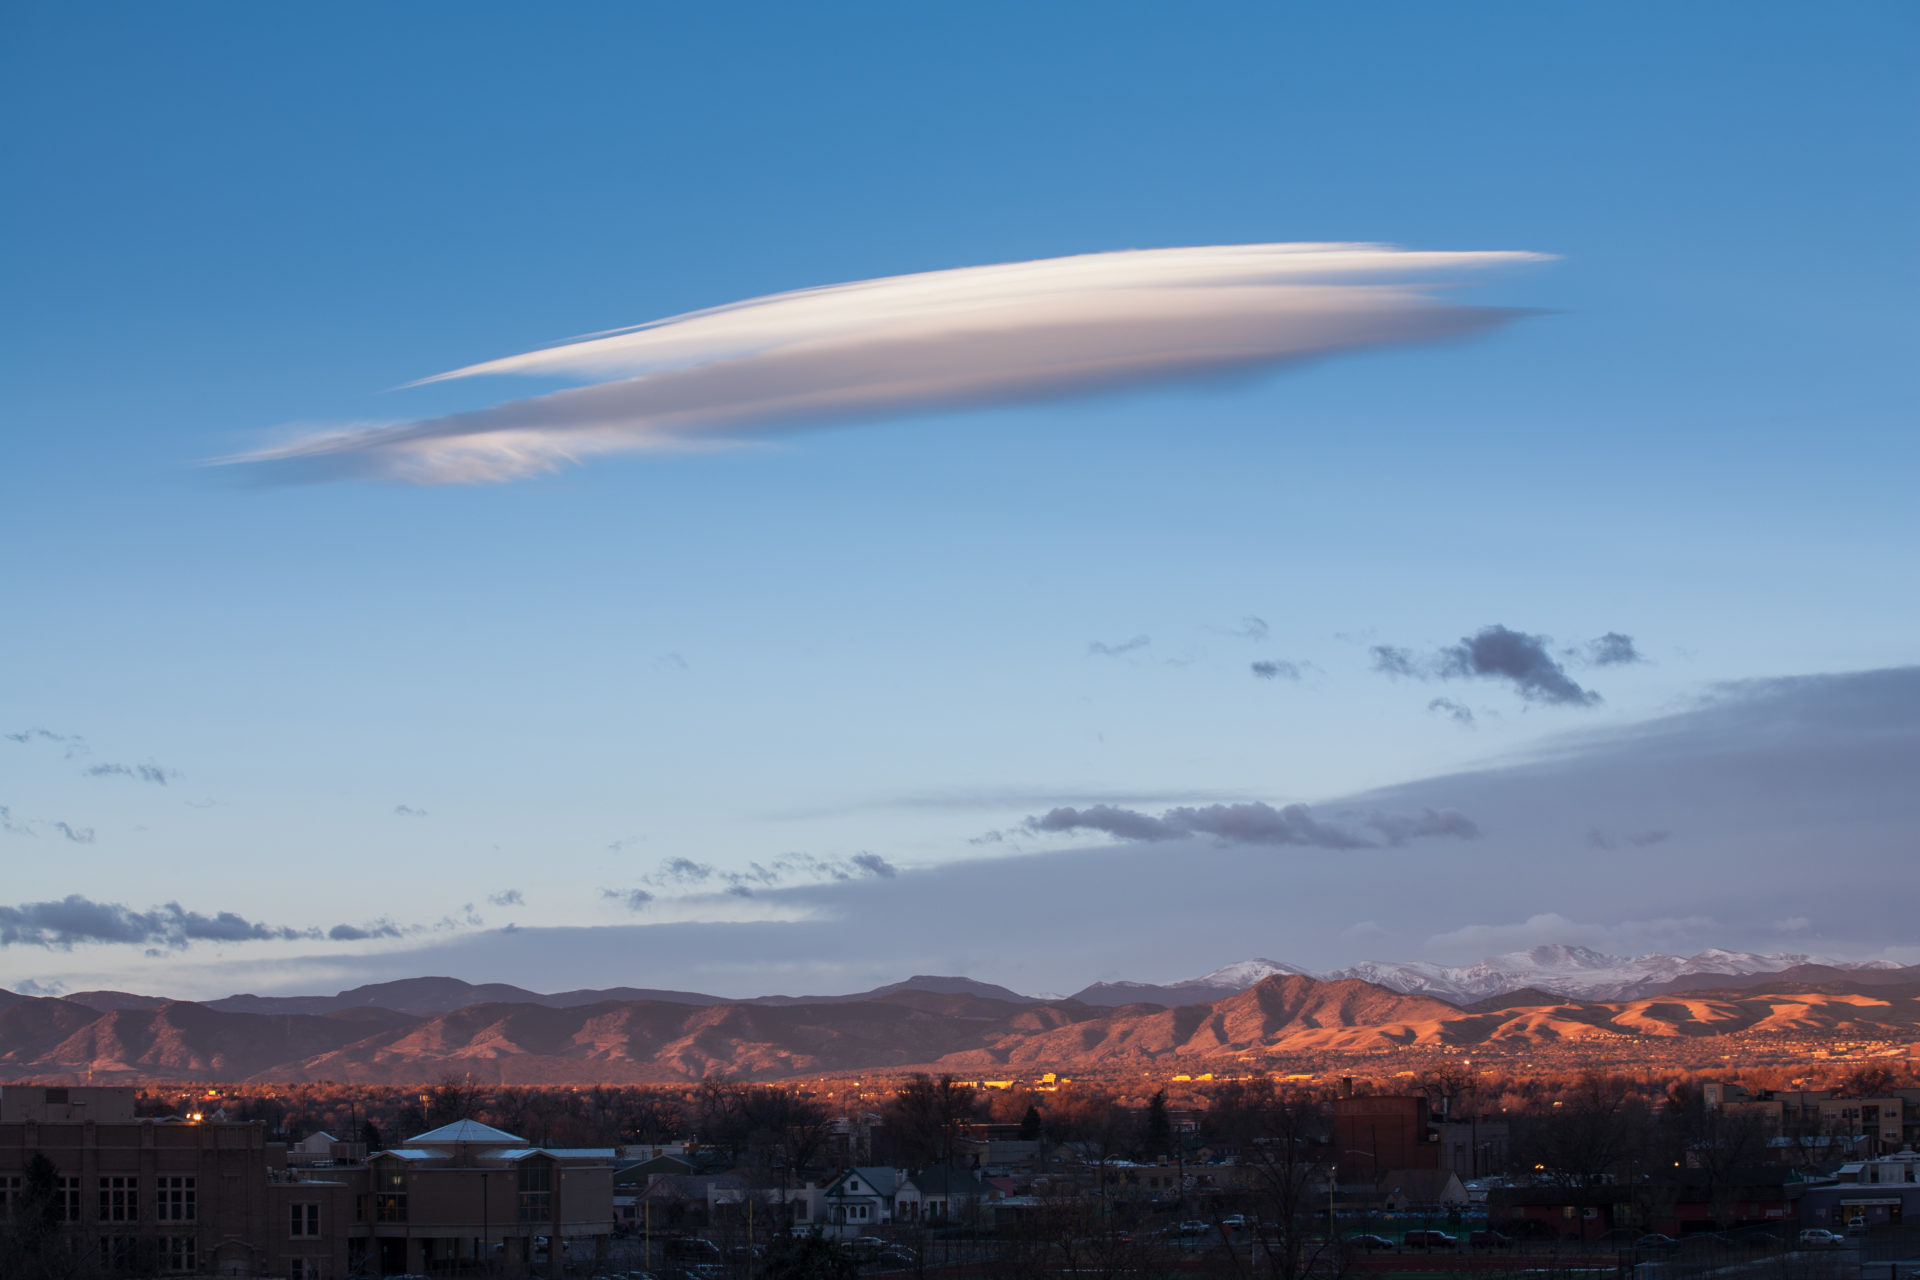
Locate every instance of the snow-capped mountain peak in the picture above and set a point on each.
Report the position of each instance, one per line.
(1579, 972)
(1245, 973)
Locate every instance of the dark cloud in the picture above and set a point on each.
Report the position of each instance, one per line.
(631, 899)
(358, 933)
(1391, 660)
(507, 898)
(873, 864)
(1497, 653)
(1255, 824)
(143, 772)
(1458, 712)
(79, 835)
(76, 919)
(1612, 650)
(1500, 653)
(1099, 650)
(1124, 824)
(1276, 669)
(408, 811)
(679, 870)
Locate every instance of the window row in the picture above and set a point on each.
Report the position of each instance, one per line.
(169, 1253)
(175, 1200)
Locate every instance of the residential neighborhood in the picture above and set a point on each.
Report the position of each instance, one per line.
(924, 1184)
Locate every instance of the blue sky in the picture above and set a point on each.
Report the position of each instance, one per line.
(232, 223)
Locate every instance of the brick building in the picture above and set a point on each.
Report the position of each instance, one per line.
(153, 1197)
(1379, 1132)
(158, 1197)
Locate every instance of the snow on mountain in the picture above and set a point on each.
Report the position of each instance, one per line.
(1579, 972)
(1245, 973)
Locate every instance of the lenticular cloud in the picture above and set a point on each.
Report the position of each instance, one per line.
(973, 336)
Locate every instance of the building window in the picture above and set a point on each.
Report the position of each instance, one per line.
(121, 1253)
(304, 1219)
(176, 1201)
(536, 1190)
(304, 1269)
(179, 1253)
(390, 1206)
(9, 1192)
(856, 1213)
(119, 1200)
(66, 1199)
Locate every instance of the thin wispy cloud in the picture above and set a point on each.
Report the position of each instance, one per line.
(1256, 823)
(408, 811)
(1610, 650)
(631, 899)
(138, 772)
(685, 875)
(78, 835)
(507, 898)
(1100, 649)
(75, 744)
(1008, 333)
(1458, 712)
(1276, 669)
(1251, 627)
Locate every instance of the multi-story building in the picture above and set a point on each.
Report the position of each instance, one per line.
(150, 1197)
(469, 1193)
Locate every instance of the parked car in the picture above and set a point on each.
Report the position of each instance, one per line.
(1430, 1240)
(1490, 1239)
(1370, 1242)
(1654, 1240)
(1818, 1238)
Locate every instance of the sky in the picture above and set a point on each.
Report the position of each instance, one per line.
(1445, 485)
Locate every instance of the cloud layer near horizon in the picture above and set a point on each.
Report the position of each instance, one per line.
(903, 344)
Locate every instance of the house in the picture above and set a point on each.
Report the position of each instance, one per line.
(941, 1193)
(323, 1148)
(861, 1197)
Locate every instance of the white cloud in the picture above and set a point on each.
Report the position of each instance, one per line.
(974, 335)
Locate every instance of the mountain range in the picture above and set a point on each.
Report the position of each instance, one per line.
(1560, 970)
(390, 1033)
